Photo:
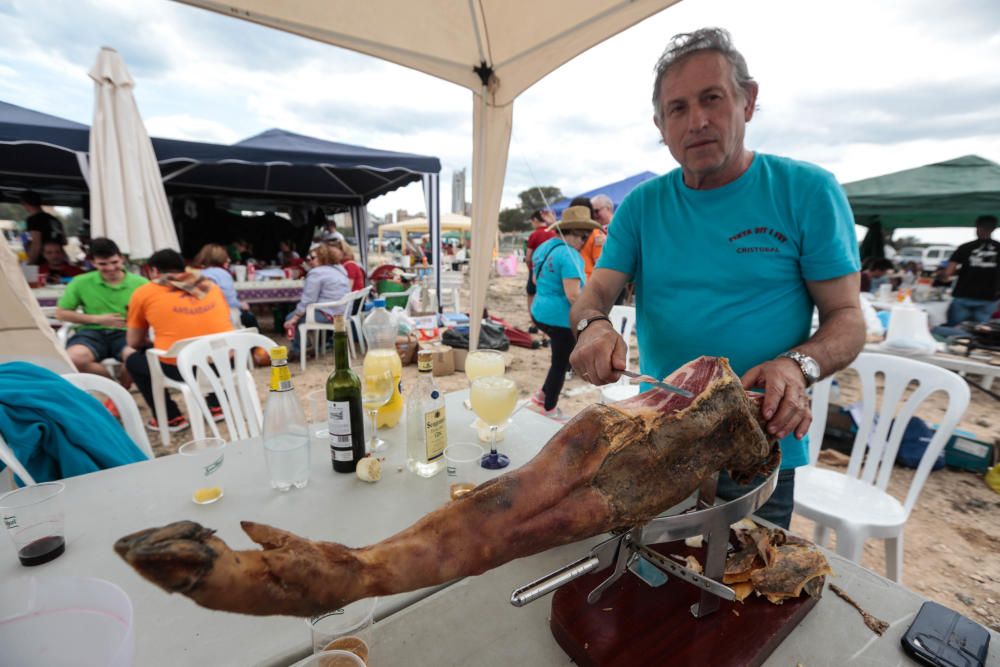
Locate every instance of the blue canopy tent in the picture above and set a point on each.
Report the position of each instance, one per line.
(616, 191)
(44, 153)
(49, 154)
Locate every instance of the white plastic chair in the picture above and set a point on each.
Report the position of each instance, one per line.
(344, 304)
(65, 332)
(855, 504)
(355, 309)
(14, 466)
(129, 411)
(623, 320)
(224, 363)
(161, 382)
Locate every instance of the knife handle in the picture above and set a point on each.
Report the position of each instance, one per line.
(554, 580)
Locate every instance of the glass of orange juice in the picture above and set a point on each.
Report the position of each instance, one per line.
(205, 458)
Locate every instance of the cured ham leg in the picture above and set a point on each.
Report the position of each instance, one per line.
(612, 466)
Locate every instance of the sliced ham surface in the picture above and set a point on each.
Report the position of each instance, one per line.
(612, 466)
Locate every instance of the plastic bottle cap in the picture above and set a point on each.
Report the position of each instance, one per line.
(279, 352)
(378, 303)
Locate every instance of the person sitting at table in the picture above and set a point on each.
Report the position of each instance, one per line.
(876, 274)
(326, 280)
(213, 260)
(559, 278)
(55, 265)
(354, 270)
(103, 296)
(176, 304)
(287, 255)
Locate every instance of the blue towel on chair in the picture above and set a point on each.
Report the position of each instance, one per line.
(55, 429)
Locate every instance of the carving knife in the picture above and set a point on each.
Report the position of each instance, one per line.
(659, 385)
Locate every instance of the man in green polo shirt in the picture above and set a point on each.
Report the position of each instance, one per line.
(103, 295)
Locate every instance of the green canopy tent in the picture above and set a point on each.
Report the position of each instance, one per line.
(945, 194)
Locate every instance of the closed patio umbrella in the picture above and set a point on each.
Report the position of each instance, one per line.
(127, 200)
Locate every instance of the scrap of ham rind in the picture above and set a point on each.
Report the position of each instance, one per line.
(611, 467)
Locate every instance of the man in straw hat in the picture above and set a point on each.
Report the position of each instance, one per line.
(729, 254)
(559, 278)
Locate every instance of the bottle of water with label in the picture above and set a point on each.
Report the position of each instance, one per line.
(426, 427)
(346, 420)
(285, 436)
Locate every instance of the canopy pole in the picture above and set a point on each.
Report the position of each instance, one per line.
(359, 221)
(433, 196)
(491, 126)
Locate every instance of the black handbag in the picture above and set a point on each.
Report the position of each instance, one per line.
(491, 337)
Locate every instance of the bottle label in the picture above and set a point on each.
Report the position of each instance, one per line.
(281, 378)
(435, 434)
(339, 425)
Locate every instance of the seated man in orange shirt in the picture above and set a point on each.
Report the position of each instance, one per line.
(176, 304)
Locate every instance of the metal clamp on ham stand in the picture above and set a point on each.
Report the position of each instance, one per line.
(699, 515)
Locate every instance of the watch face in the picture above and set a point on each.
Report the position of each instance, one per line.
(811, 368)
(582, 324)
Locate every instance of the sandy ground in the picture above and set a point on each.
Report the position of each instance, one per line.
(953, 535)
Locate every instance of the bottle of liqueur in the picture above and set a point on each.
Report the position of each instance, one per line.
(426, 428)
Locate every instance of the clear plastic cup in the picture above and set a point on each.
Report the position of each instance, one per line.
(348, 628)
(205, 469)
(319, 432)
(34, 517)
(462, 466)
(331, 659)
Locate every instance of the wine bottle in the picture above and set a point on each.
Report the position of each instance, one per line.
(343, 402)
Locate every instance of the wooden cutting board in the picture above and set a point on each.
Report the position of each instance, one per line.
(634, 624)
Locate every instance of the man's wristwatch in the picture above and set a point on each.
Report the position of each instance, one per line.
(808, 365)
(587, 321)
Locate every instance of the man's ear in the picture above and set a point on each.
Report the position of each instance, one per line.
(749, 100)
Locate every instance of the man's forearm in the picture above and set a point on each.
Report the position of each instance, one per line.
(74, 316)
(592, 302)
(839, 339)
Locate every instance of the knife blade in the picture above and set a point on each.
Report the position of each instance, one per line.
(659, 385)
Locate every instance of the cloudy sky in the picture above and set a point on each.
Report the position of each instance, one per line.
(861, 88)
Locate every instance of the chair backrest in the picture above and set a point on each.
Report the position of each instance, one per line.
(129, 411)
(820, 408)
(884, 418)
(224, 361)
(8, 457)
(358, 298)
(623, 320)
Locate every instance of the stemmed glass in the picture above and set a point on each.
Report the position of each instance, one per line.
(493, 400)
(483, 363)
(376, 390)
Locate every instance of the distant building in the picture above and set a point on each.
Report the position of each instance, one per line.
(458, 192)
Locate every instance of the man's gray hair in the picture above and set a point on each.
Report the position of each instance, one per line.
(602, 200)
(706, 39)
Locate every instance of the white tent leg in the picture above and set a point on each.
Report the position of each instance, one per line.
(491, 140)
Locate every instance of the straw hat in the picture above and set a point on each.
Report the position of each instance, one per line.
(575, 218)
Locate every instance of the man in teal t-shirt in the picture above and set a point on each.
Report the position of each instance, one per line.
(103, 296)
(729, 255)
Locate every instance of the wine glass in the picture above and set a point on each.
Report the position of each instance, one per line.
(376, 390)
(493, 400)
(484, 363)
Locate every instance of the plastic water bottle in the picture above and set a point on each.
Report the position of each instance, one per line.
(380, 333)
(285, 435)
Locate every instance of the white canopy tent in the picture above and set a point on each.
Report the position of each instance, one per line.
(495, 48)
(449, 222)
(127, 199)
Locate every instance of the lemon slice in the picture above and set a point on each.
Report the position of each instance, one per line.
(207, 494)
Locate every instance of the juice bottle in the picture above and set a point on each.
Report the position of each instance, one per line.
(380, 334)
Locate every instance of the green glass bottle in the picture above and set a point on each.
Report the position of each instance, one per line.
(346, 417)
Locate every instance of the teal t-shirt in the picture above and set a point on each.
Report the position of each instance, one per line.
(723, 272)
(553, 262)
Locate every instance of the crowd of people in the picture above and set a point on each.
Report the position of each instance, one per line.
(113, 310)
